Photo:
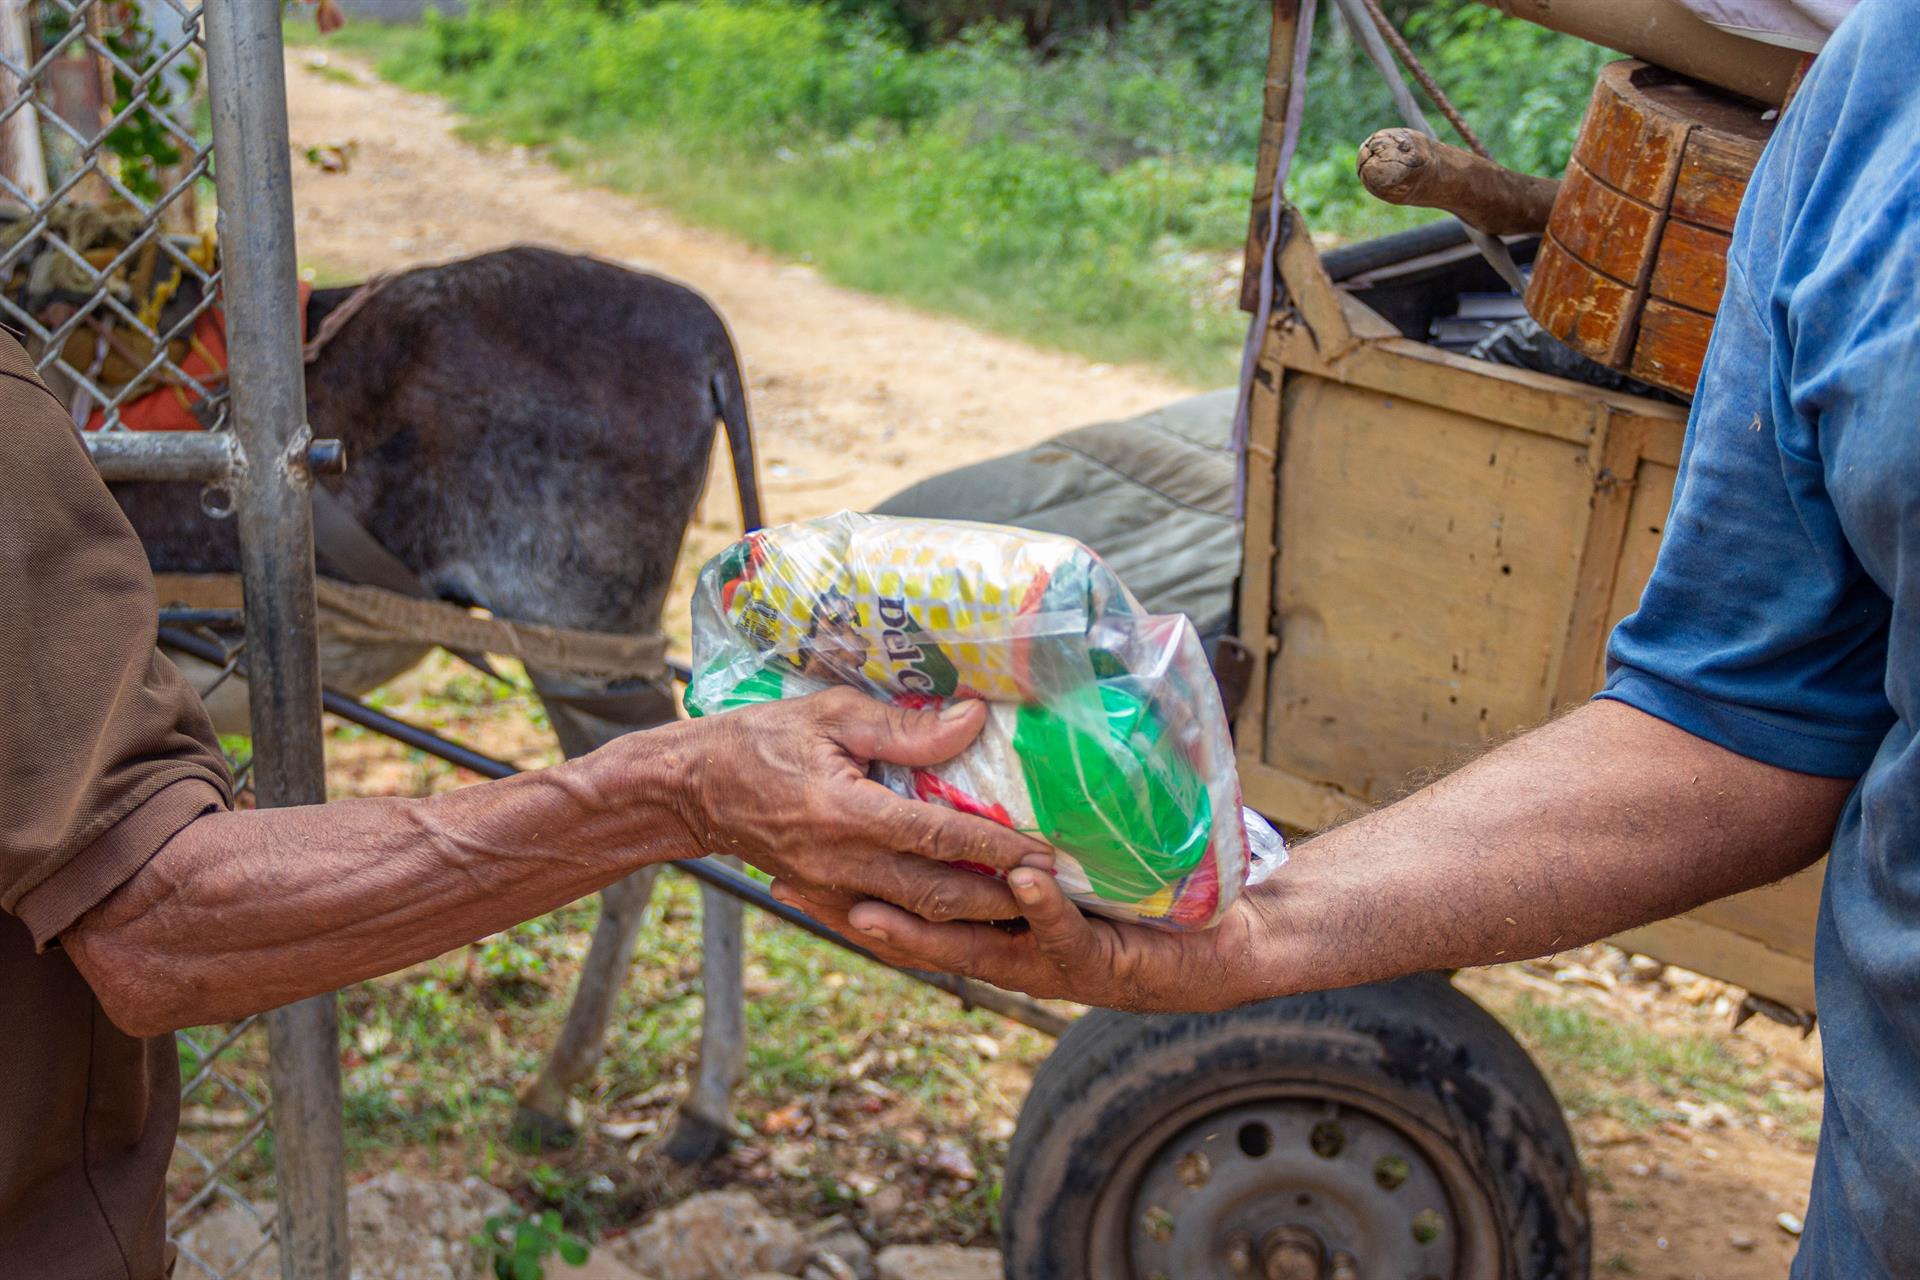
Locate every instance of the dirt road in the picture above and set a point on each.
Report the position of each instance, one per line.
(855, 397)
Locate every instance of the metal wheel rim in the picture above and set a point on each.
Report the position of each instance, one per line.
(1119, 1222)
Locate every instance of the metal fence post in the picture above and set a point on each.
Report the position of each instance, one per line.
(246, 83)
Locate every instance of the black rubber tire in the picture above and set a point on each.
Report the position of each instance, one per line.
(1417, 1044)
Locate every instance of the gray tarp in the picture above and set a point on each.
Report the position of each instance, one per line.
(1152, 495)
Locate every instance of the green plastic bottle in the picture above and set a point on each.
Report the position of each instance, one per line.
(1109, 787)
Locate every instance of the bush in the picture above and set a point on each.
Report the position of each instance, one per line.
(1091, 197)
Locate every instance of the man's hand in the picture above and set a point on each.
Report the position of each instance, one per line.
(1063, 954)
(785, 787)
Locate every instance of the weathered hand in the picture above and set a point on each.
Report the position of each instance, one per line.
(1063, 954)
(785, 787)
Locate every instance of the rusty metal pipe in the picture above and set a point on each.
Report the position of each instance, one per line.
(208, 456)
(247, 97)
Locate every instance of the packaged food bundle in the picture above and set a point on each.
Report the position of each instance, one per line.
(1105, 735)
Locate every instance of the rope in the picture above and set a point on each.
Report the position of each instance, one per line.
(373, 615)
(338, 318)
(1411, 61)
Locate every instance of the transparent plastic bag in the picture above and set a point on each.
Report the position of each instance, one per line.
(1105, 735)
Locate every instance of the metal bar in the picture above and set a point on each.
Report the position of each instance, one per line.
(248, 96)
(171, 617)
(1021, 1009)
(209, 456)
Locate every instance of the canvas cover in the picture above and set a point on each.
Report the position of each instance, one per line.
(1797, 24)
(1152, 495)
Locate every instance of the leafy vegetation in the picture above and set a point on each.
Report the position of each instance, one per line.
(1093, 196)
(518, 1250)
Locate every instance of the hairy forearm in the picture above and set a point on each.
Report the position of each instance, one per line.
(247, 911)
(1602, 820)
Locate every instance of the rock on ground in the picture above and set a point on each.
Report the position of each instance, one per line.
(842, 1255)
(937, 1262)
(403, 1228)
(720, 1235)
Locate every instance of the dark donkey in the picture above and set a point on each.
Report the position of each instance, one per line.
(528, 431)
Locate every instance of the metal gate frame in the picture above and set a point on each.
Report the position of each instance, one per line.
(261, 459)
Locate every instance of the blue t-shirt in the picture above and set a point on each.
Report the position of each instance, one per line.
(1781, 619)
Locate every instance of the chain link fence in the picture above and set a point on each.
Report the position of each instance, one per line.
(110, 269)
(110, 277)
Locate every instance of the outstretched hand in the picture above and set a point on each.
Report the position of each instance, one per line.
(785, 787)
(1063, 953)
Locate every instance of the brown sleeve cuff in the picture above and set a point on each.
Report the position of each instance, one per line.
(109, 862)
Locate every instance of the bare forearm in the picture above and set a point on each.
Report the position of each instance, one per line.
(247, 911)
(1600, 821)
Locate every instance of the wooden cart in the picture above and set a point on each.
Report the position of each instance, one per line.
(1437, 547)
(1436, 550)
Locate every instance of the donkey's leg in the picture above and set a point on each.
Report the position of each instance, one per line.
(705, 1126)
(542, 1117)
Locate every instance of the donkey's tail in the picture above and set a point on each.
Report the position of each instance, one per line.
(730, 402)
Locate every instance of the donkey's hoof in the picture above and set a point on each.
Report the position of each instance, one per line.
(536, 1131)
(695, 1139)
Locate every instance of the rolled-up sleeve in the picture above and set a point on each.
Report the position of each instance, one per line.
(1759, 629)
(105, 753)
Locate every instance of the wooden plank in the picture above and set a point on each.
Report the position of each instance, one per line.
(1631, 149)
(1259, 547)
(1612, 463)
(1290, 801)
(1315, 301)
(1715, 169)
(1364, 321)
(1279, 88)
(1781, 915)
(1424, 585)
(1579, 306)
(1691, 268)
(1671, 346)
(1639, 545)
(1520, 398)
(1663, 444)
(1752, 963)
(1613, 233)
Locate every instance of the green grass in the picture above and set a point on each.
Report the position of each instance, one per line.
(1600, 1066)
(1094, 200)
(1012, 235)
(433, 1058)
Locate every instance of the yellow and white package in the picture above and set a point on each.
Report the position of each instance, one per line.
(1106, 737)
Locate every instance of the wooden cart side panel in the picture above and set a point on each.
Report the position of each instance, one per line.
(1614, 461)
(1353, 430)
(1424, 587)
(1259, 550)
(1519, 398)
(1644, 523)
(1774, 960)
(1761, 939)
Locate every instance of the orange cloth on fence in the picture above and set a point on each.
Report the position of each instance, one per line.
(170, 408)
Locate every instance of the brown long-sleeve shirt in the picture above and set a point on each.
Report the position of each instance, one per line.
(105, 754)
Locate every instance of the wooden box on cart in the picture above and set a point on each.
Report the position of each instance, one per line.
(1436, 550)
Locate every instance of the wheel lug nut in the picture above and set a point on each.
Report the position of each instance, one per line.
(1240, 1254)
(1291, 1253)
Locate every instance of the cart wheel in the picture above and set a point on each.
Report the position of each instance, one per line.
(1386, 1132)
